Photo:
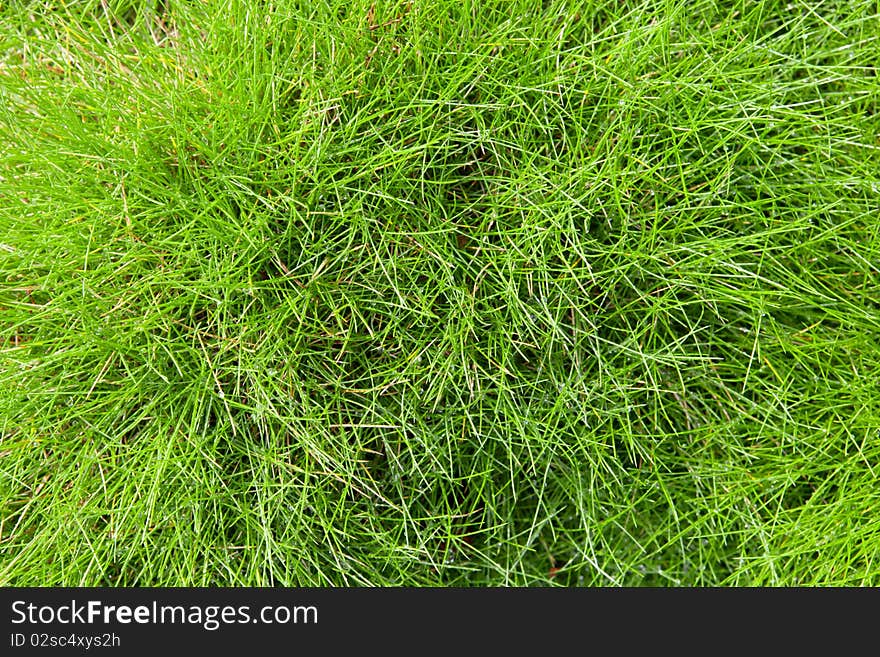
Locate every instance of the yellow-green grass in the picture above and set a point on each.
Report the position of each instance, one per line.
(439, 293)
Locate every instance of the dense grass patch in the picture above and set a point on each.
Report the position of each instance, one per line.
(439, 292)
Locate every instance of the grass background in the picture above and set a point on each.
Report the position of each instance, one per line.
(439, 292)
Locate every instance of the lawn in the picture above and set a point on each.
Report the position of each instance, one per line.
(440, 292)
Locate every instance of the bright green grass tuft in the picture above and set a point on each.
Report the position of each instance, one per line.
(439, 292)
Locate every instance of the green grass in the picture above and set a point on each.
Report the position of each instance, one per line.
(440, 292)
